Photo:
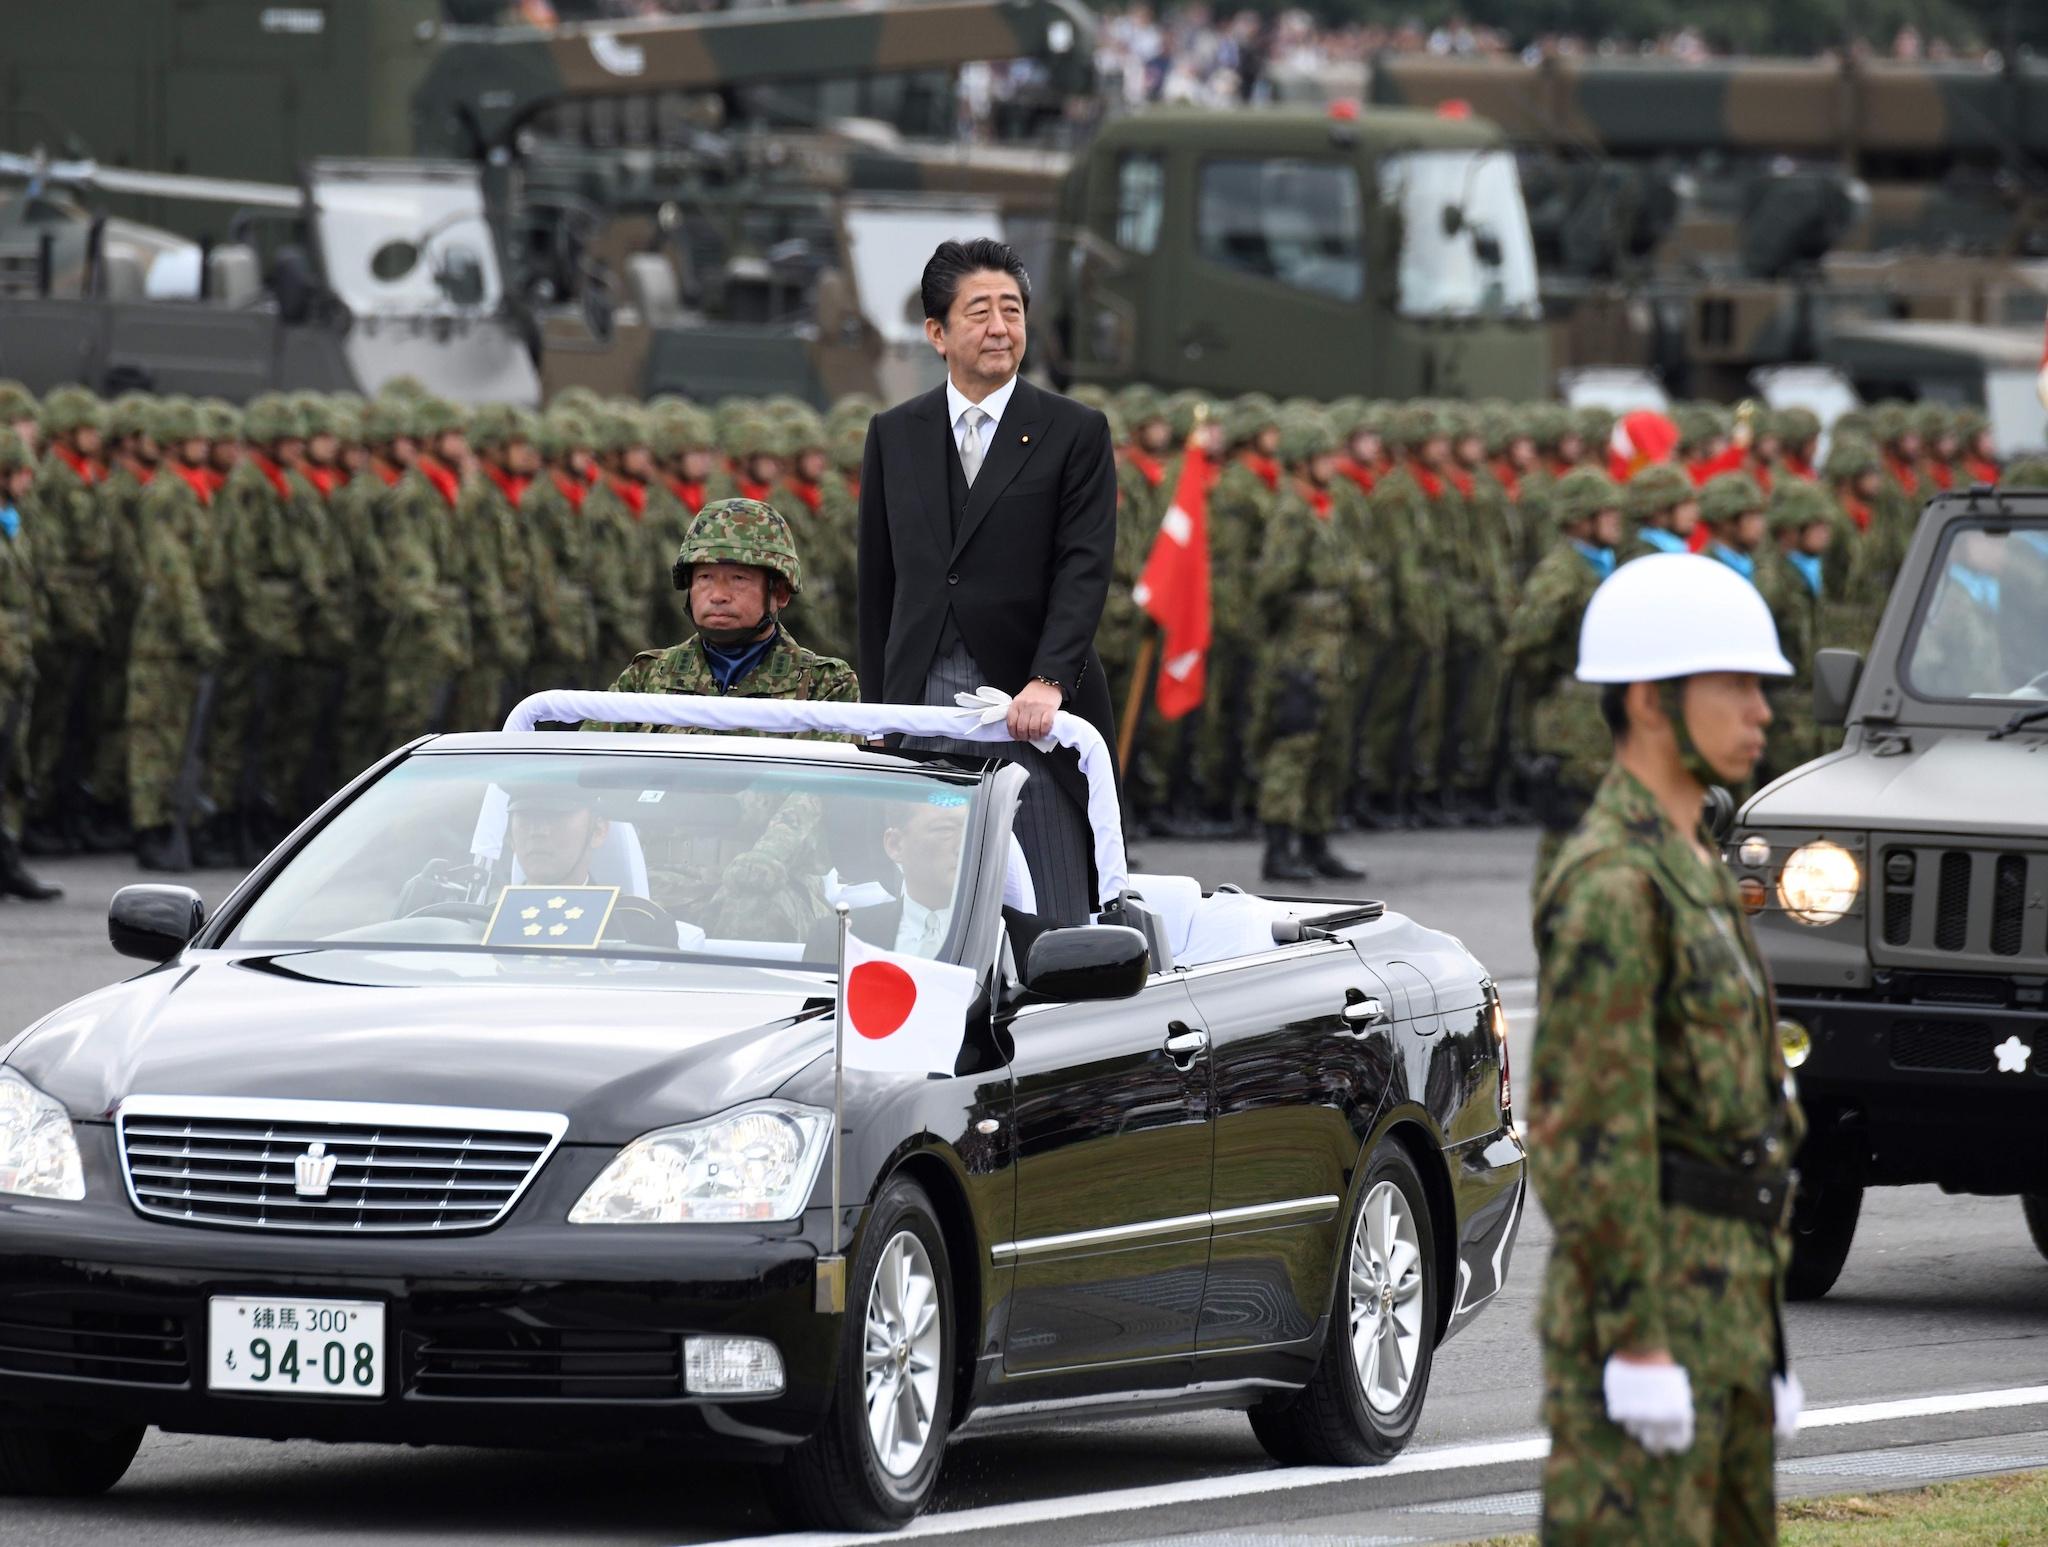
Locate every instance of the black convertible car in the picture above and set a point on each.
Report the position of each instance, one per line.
(496, 1108)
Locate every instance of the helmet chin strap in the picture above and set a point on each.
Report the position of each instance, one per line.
(727, 638)
(1672, 691)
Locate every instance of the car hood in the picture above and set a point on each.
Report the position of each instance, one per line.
(1947, 784)
(617, 1047)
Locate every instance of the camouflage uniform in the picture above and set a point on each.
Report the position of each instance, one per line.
(1482, 589)
(824, 521)
(565, 649)
(771, 888)
(621, 571)
(177, 640)
(309, 728)
(1793, 736)
(502, 584)
(1568, 739)
(1655, 1033)
(21, 631)
(427, 570)
(1240, 510)
(77, 547)
(361, 512)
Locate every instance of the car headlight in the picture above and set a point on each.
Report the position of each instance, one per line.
(38, 1151)
(1819, 882)
(755, 1162)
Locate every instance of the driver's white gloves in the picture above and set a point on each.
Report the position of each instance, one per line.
(1652, 1402)
(1788, 1397)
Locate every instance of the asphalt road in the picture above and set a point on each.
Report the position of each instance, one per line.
(1930, 1359)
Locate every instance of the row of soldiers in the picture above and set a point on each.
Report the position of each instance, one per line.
(1397, 589)
(209, 616)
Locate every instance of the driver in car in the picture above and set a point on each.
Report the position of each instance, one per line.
(557, 836)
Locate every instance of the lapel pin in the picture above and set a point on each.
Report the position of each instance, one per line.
(1027, 440)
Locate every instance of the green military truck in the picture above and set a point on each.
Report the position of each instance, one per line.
(1298, 251)
(1899, 887)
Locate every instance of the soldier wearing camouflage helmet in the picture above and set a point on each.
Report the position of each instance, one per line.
(1482, 556)
(502, 570)
(739, 568)
(20, 413)
(1661, 1118)
(132, 456)
(21, 628)
(1979, 456)
(622, 555)
(1568, 746)
(1790, 571)
(824, 518)
(551, 511)
(1664, 507)
(1732, 509)
(427, 592)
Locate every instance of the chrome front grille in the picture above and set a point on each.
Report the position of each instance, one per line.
(265, 1165)
(1948, 905)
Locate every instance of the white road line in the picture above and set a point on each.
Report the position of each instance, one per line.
(1443, 1458)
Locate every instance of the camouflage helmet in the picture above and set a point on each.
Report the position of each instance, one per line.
(380, 422)
(176, 419)
(348, 420)
(1248, 418)
(17, 402)
(679, 429)
(1797, 426)
(1412, 425)
(1460, 420)
(433, 416)
(1933, 421)
(803, 430)
(220, 420)
(1697, 424)
(1849, 456)
(855, 408)
(1855, 421)
(1305, 433)
(1183, 409)
(561, 431)
(1140, 405)
(1971, 423)
(1656, 489)
(408, 388)
(1090, 395)
(1582, 494)
(14, 454)
(71, 408)
(1796, 505)
(849, 447)
(496, 424)
(316, 413)
(1119, 431)
(132, 413)
(578, 399)
(1890, 420)
(1594, 424)
(740, 532)
(756, 435)
(1548, 424)
(1728, 496)
(271, 416)
(617, 426)
(2030, 473)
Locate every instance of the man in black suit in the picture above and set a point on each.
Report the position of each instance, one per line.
(987, 527)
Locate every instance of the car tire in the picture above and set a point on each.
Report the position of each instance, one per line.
(1333, 1420)
(1823, 1227)
(50, 1462)
(837, 1480)
(2034, 1205)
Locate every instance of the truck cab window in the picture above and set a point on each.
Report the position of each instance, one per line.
(1293, 221)
(1140, 202)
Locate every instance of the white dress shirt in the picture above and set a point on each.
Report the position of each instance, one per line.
(922, 930)
(957, 404)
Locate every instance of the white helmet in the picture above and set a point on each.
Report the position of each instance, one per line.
(1669, 615)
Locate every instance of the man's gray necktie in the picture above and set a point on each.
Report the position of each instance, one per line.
(928, 937)
(970, 442)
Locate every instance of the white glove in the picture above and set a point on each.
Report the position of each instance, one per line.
(1789, 1398)
(991, 706)
(1653, 1402)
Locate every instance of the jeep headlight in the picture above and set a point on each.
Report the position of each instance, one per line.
(38, 1151)
(754, 1163)
(1819, 882)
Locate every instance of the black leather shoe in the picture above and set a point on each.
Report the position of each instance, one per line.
(1283, 861)
(1322, 860)
(17, 880)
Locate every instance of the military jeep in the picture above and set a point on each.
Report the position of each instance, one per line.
(1897, 887)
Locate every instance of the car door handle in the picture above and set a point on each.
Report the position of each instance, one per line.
(1362, 1010)
(1186, 1044)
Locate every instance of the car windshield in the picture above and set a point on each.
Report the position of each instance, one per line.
(1465, 244)
(677, 856)
(1982, 630)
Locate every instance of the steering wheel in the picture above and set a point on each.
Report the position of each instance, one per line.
(641, 921)
(473, 912)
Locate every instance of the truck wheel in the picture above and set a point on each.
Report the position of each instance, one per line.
(1823, 1225)
(2035, 1206)
(49, 1462)
(874, 1461)
(1361, 1405)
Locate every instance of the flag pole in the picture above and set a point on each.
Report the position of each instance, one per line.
(1134, 699)
(830, 1292)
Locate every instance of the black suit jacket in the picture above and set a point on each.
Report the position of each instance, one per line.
(1027, 572)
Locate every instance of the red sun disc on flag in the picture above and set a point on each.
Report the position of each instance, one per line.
(879, 999)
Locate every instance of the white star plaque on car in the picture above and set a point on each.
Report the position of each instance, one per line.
(2012, 1056)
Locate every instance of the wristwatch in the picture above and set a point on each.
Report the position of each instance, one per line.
(1054, 683)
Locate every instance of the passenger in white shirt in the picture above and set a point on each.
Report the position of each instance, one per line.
(924, 841)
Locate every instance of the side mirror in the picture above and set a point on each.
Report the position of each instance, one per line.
(154, 923)
(1088, 962)
(1835, 675)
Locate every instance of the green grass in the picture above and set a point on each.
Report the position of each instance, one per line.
(2010, 1511)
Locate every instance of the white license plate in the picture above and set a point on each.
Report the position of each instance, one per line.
(317, 1348)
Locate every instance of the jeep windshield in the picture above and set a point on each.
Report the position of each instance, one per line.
(1981, 632)
(688, 857)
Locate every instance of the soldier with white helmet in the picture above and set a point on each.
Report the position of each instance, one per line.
(1662, 1122)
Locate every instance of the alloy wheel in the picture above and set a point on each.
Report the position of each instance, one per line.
(1386, 1297)
(903, 1345)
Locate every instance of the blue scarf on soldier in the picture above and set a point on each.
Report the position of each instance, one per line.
(1982, 588)
(1663, 541)
(1808, 565)
(1602, 559)
(1741, 563)
(729, 663)
(10, 522)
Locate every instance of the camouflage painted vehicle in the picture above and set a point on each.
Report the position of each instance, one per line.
(1704, 220)
(1299, 252)
(1897, 887)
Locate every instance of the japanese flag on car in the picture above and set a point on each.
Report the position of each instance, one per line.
(904, 1015)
